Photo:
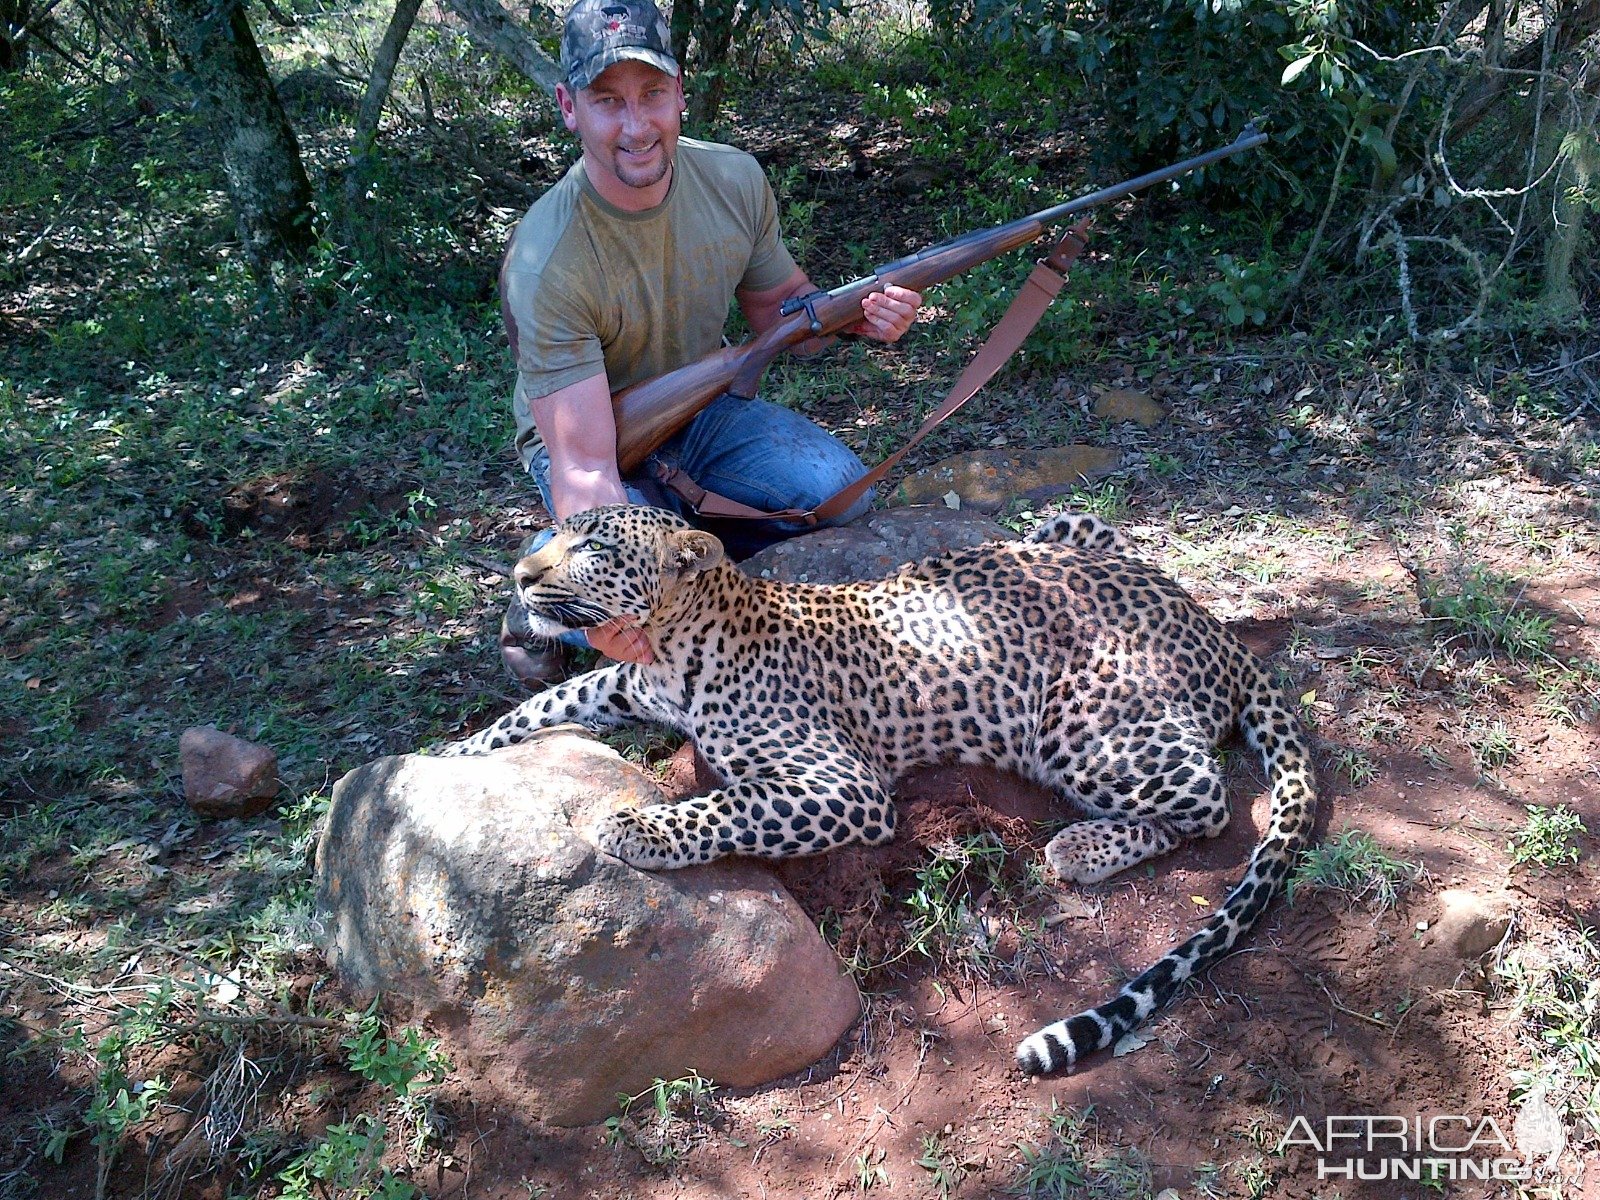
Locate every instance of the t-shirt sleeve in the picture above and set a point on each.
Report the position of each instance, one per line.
(551, 330)
(770, 261)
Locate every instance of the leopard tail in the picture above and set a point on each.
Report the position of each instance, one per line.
(1271, 727)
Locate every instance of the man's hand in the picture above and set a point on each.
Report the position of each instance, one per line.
(886, 315)
(621, 638)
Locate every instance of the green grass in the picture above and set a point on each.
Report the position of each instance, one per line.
(1487, 608)
(870, 1169)
(1355, 765)
(943, 923)
(1068, 1163)
(1356, 865)
(1491, 743)
(119, 512)
(944, 1171)
(1567, 691)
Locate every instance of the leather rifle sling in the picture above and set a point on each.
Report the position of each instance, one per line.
(1042, 286)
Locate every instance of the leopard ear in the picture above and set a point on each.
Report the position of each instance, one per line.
(693, 551)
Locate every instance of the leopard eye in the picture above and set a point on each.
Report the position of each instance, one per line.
(594, 544)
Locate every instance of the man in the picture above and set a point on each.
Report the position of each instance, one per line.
(626, 268)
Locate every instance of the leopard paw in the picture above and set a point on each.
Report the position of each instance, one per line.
(1094, 850)
(635, 838)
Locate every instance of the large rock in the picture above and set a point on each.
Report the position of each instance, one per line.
(873, 546)
(469, 887)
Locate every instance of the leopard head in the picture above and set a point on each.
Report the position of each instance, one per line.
(625, 560)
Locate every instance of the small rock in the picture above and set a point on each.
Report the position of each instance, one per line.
(987, 479)
(225, 776)
(1124, 404)
(1469, 926)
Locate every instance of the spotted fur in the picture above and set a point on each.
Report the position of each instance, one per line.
(1061, 659)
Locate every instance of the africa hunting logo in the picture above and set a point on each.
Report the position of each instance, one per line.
(1449, 1146)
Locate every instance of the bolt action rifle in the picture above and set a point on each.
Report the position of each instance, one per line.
(651, 411)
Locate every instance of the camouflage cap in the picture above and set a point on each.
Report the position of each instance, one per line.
(602, 32)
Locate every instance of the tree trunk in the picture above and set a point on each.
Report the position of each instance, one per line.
(1561, 302)
(13, 35)
(266, 179)
(491, 27)
(378, 84)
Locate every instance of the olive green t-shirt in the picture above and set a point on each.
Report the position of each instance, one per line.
(586, 287)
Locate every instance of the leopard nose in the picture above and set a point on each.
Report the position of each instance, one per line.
(524, 574)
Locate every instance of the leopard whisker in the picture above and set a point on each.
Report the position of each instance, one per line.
(568, 611)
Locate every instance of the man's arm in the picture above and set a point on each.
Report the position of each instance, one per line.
(885, 315)
(580, 433)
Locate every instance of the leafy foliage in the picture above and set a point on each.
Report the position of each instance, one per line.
(707, 36)
(943, 921)
(1176, 77)
(395, 1064)
(666, 1120)
(346, 1162)
(1486, 607)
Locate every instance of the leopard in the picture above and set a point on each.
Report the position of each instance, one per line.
(1060, 657)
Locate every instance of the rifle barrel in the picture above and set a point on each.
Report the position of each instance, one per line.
(649, 412)
(1249, 139)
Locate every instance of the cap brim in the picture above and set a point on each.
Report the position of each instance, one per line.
(591, 70)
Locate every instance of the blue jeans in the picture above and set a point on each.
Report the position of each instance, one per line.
(757, 453)
(752, 451)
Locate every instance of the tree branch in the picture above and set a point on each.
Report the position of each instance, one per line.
(491, 27)
(1577, 26)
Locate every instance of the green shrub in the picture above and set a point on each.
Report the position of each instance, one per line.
(1177, 77)
(1549, 839)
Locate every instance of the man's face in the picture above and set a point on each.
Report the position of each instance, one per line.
(628, 121)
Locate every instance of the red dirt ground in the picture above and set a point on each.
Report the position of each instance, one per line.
(1328, 1008)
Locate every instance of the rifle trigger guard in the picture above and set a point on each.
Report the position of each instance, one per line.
(808, 302)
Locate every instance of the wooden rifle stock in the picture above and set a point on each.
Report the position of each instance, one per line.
(651, 411)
